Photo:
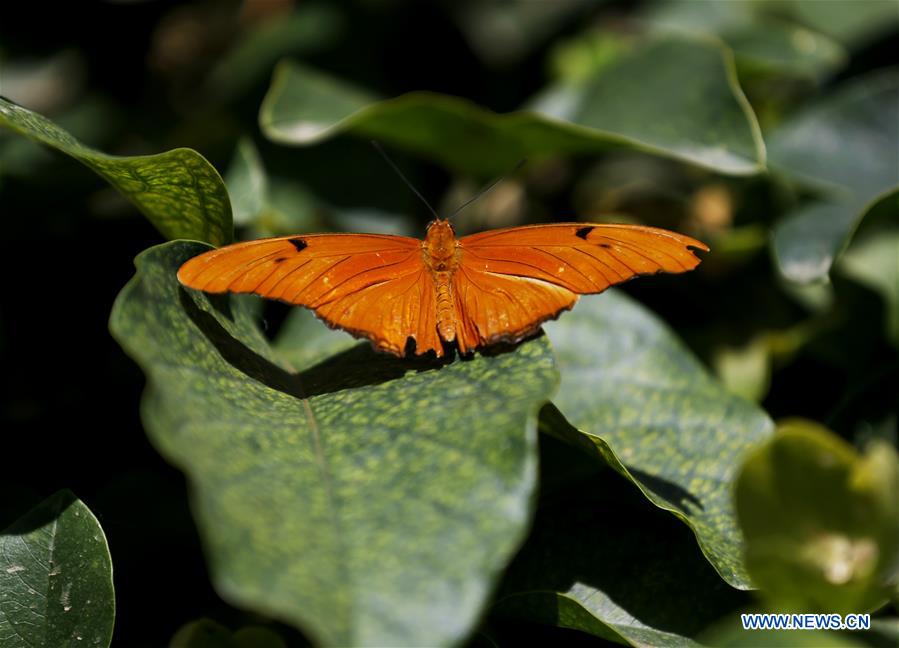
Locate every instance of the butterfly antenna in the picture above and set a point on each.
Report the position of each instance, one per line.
(486, 189)
(405, 179)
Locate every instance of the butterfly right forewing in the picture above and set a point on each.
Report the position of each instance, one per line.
(511, 280)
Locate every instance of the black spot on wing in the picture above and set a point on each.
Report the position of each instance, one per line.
(299, 244)
(584, 232)
(280, 259)
(605, 245)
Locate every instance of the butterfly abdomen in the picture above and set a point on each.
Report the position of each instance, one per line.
(446, 314)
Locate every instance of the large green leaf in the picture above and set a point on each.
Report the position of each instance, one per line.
(178, 191)
(704, 119)
(56, 578)
(370, 500)
(636, 397)
(846, 147)
(821, 521)
(604, 561)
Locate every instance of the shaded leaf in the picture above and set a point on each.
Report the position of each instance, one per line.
(705, 119)
(732, 635)
(56, 578)
(760, 39)
(845, 147)
(501, 33)
(853, 22)
(874, 262)
(247, 183)
(178, 191)
(745, 370)
(368, 499)
(206, 633)
(638, 399)
(784, 49)
(821, 522)
(595, 563)
(310, 27)
(304, 340)
(273, 206)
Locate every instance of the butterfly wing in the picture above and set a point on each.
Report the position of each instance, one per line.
(373, 286)
(511, 280)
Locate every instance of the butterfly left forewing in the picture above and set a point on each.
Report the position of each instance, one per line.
(374, 286)
(535, 272)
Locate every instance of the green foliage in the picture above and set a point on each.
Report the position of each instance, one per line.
(821, 522)
(178, 191)
(344, 497)
(710, 124)
(55, 578)
(845, 147)
(633, 396)
(362, 498)
(874, 261)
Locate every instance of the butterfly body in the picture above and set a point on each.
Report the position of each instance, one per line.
(498, 285)
(441, 255)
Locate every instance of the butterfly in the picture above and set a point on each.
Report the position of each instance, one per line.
(408, 295)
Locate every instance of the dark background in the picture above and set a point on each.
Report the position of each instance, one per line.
(69, 398)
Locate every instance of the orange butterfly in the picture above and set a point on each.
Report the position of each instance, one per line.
(494, 286)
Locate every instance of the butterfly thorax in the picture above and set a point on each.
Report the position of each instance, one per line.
(440, 246)
(440, 251)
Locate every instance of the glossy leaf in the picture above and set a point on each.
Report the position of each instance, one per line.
(364, 499)
(821, 522)
(845, 147)
(596, 562)
(705, 119)
(56, 578)
(854, 22)
(760, 39)
(874, 261)
(635, 397)
(247, 183)
(178, 191)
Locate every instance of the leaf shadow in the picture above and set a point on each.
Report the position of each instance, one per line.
(554, 423)
(674, 493)
(354, 368)
(596, 532)
(40, 515)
